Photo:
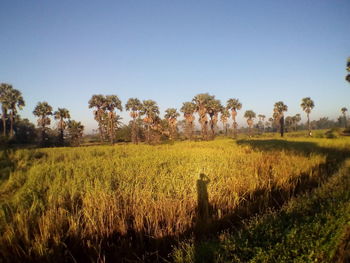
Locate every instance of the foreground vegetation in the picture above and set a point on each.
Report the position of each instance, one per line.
(134, 201)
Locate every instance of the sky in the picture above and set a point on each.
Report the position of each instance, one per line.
(260, 52)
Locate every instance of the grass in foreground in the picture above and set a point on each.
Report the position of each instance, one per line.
(108, 202)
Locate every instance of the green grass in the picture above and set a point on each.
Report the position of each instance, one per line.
(106, 202)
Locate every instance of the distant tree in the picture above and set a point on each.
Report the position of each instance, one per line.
(112, 102)
(201, 101)
(296, 119)
(188, 109)
(42, 111)
(279, 109)
(250, 115)
(348, 69)
(24, 131)
(214, 107)
(98, 102)
(171, 116)
(75, 132)
(307, 104)
(134, 105)
(234, 105)
(288, 122)
(151, 110)
(5, 90)
(61, 114)
(343, 111)
(15, 101)
(224, 117)
(261, 122)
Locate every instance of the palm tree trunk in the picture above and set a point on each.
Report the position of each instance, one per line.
(234, 128)
(4, 121)
(345, 121)
(308, 124)
(11, 124)
(282, 126)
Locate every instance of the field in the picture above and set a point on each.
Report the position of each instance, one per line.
(140, 202)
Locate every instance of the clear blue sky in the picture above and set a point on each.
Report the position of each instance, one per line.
(261, 52)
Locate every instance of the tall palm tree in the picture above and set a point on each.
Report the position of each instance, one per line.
(343, 111)
(307, 104)
(151, 110)
(61, 114)
(224, 117)
(201, 101)
(98, 101)
(188, 109)
(279, 109)
(42, 111)
(112, 102)
(75, 131)
(134, 105)
(234, 105)
(250, 115)
(214, 107)
(15, 100)
(171, 115)
(5, 90)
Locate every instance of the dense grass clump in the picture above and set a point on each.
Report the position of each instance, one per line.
(104, 202)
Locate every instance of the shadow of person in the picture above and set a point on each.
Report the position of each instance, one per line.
(203, 220)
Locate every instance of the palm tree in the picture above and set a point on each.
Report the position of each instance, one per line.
(261, 121)
(112, 102)
(61, 114)
(5, 90)
(188, 109)
(348, 69)
(250, 115)
(279, 109)
(343, 111)
(42, 111)
(295, 119)
(224, 117)
(151, 110)
(234, 105)
(171, 115)
(15, 100)
(98, 101)
(134, 105)
(214, 107)
(307, 105)
(201, 101)
(75, 132)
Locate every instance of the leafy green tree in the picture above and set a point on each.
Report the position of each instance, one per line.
(151, 110)
(75, 132)
(214, 107)
(343, 111)
(224, 117)
(61, 114)
(296, 119)
(43, 110)
(188, 109)
(261, 122)
(307, 104)
(134, 105)
(201, 101)
(250, 115)
(279, 109)
(98, 102)
(234, 105)
(171, 116)
(15, 102)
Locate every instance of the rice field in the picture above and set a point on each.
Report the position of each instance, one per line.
(132, 202)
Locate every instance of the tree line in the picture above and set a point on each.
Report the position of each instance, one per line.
(146, 124)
